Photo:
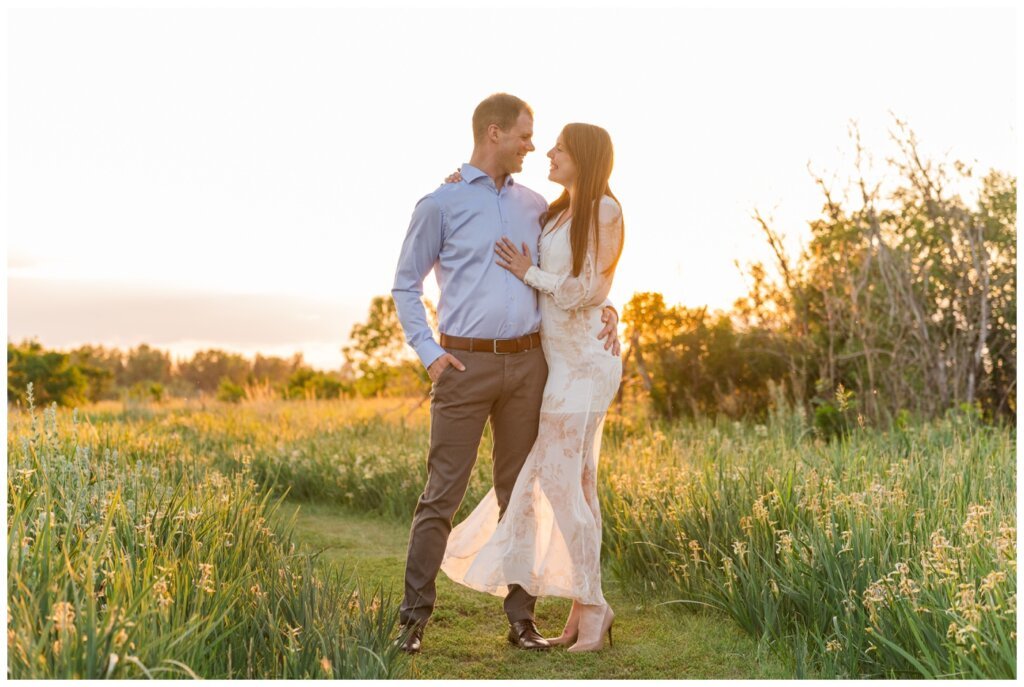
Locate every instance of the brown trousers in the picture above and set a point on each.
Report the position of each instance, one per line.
(507, 390)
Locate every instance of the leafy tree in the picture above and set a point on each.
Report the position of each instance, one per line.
(230, 392)
(206, 369)
(694, 363)
(309, 384)
(905, 298)
(378, 354)
(275, 371)
(53, 377)
(145, 364)
(101, 368)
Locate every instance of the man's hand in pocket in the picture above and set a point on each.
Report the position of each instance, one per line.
(439, 365)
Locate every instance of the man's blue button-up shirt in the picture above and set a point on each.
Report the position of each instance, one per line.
(453, 231)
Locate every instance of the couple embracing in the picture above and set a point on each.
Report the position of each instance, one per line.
(527, 342)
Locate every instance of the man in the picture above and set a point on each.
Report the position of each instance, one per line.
(488, 364)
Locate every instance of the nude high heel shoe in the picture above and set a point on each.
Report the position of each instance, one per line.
(593, 630)
(572, 626)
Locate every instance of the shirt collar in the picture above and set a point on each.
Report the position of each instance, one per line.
(470, 174)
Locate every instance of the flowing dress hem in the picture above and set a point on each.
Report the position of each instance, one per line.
(537, 590)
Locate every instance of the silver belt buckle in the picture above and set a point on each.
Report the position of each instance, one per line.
(494, 345)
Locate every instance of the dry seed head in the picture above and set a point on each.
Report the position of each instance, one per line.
(989, 582)
(785, 543)
(63, 617)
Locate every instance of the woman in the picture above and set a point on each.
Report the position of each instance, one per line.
(549, 540)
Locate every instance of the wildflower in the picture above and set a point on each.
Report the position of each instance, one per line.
(833, 646)
(205, 582)
(1006, 543)
(760, 512)
(325, 664)
(730, 575)
(785, 543)
(740, 549)
(161, 588)
(120, 638)
(695, 550)
(747, 524)
(292, 633)
(908, 588)
(961, 633)
(63, 617)
(680, 568)
(874, 596)
(989, 582)
(940, 559)
(966, 604)
(973, 527)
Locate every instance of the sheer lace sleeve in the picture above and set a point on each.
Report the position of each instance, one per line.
(594, 282)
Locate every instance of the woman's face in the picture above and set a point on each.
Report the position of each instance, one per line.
(563, 169)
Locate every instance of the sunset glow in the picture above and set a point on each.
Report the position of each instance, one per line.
(243, 179)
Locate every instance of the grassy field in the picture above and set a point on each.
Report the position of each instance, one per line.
(466, 635)
(731, 550)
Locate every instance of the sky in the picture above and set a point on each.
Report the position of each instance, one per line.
(243, 178)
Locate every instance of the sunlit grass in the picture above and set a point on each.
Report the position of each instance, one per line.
(130, 558)
(886, 554)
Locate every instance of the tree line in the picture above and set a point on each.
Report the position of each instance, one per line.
(375, 365)
(902, 304)
(88, 374)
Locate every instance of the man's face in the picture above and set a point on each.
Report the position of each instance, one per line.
(514, 144)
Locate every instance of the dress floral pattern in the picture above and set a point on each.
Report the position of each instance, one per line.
(549, 539)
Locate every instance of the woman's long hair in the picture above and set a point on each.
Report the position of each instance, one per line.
(590, 148)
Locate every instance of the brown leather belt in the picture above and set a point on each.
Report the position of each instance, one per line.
(499, 346)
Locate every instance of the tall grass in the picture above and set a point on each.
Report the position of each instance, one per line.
(886, 554)
(127, 559)
(366, 455)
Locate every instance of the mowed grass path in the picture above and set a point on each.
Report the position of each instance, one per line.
(466, 637)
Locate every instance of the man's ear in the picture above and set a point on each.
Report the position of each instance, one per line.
(493, 131)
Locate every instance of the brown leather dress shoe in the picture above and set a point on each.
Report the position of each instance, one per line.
(413, 640)
(523, 634)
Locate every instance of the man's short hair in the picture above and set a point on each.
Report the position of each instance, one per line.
(501, 109)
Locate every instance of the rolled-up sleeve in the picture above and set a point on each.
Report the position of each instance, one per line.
(420, 253)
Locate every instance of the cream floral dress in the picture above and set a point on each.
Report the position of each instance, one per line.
(549, 540)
